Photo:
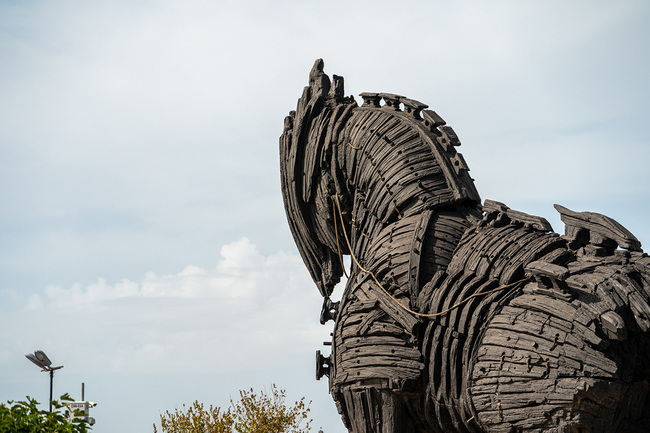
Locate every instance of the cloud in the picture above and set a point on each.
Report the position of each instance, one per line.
(194, 320)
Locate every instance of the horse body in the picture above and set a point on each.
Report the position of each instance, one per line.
(454, 318)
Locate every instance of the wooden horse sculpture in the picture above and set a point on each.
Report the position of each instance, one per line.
(457, 317)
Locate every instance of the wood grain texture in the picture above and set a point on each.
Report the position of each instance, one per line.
(457, 317)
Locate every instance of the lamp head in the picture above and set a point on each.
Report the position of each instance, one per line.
(35, 360)
(43, 358)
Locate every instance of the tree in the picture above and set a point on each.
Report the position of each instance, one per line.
(253, 413)
(25, 417)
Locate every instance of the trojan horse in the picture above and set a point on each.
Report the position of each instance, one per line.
(457, 316)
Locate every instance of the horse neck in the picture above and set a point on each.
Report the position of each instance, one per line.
(389, 164)
(396, 188)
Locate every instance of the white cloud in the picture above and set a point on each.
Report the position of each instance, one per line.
(240, 273)
(34, 302)
(194, 320)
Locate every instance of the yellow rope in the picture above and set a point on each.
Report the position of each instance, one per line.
(337, 205)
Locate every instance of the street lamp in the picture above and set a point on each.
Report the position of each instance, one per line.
(42, 361)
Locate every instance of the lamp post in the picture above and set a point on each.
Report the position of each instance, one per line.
(42, 361)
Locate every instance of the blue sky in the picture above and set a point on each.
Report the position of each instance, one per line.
(144, 243)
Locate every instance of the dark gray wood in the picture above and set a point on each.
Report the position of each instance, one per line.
(457, 316)
(597, 229)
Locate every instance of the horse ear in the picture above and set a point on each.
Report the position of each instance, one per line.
(337, 91)
(319, 82)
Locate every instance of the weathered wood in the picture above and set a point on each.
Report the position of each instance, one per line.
(457, 317)
(492, 207)
(602, 229)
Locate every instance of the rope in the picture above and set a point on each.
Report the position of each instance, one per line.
(337, 205)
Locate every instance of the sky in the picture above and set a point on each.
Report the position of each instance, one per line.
(144, 244)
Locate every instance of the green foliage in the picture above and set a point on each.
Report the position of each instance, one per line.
(252, 413)
(25, 417)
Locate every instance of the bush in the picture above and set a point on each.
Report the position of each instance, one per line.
(25, 417)
(252, 413)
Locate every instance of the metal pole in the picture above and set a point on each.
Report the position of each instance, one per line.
(82, 392)
(51, 380)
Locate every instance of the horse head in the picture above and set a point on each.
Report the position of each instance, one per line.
(348, 170)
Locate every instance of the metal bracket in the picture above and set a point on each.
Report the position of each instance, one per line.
(329, 310)
(322, 365)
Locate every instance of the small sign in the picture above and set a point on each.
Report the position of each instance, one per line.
(79, 406)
